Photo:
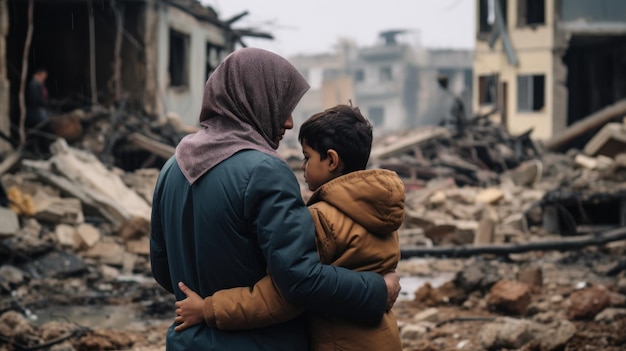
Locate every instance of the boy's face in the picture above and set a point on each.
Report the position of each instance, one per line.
(316, 171)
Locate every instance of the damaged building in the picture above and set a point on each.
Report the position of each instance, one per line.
(544, 65)
(150, 55)
(394, 82)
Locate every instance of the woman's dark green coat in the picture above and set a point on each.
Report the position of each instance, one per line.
(242, 219)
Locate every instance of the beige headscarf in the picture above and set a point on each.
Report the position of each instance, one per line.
(247, 99)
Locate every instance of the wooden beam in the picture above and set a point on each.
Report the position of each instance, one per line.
(408, 142)
(156, 147)
(10, 161)
(565, 243)
(24, 77)
(593, 121)
(92, 54)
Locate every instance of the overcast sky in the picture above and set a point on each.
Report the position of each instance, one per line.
(314, 26)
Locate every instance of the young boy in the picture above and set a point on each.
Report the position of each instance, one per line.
(357, 213)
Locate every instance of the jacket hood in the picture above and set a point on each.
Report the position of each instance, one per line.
(373, 198)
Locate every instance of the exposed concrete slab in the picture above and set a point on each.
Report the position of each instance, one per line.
(9, 223)
(609, 141)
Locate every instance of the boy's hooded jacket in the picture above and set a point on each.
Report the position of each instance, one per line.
(356, 218)
(227, 210)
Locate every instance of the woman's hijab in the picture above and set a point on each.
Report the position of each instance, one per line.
(247, 100)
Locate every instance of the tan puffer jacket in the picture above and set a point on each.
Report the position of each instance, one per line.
(356, 218)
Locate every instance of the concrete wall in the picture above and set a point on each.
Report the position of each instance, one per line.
(324, 93)
(338, 91)
(405, 98)
(390, 95)
(534, 49)
(185, 101)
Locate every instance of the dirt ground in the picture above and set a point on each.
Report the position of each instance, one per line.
(142, 311)
(458, 327)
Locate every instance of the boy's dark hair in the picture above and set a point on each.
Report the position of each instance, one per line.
(343, 129)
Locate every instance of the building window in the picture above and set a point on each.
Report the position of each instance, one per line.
(487, 14)
(213, 58)
(530, 93)
(385, 74)
(531, 12)
(376, 115)
(487, 90)
(329, 74)
(179, 59)
(359, 75)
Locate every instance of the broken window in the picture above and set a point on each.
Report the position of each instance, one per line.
(213, 58)
(487, 89)
(487, 14)
(376, 115)
(531, 12)
(385, 74)
(530, 93)
(179, 59)
(359, 75)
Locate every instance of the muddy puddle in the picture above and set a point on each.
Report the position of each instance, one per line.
(109, 317)
(410, 284)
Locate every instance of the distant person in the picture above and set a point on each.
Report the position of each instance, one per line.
(454, 116)
(37, 119)
(227, 211)
(357, 213)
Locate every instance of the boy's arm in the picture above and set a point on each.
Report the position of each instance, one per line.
(236, 308)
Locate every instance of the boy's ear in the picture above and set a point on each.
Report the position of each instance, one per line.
(334, 161)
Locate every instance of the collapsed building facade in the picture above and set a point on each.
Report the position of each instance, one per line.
(548, 64)
(394, 81)
(154, 55)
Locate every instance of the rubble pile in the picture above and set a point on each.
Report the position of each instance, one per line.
(513, 191)
(518, 287)
(473, 157)
(74, 231)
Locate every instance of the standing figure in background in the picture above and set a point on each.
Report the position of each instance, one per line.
(454, 117)
(37, 119)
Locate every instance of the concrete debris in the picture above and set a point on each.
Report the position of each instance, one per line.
(493, 214)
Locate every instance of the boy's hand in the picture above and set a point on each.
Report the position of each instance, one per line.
(189, 311)
(393, 288)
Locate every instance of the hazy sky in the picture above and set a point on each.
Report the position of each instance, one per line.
(314, 26)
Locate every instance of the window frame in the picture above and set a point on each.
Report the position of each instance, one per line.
(529, 100)
(179, 62)
(376, 115)
(523, 19)
(487, 87)
(385, 73)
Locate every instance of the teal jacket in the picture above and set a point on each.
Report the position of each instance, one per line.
(241, 220)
